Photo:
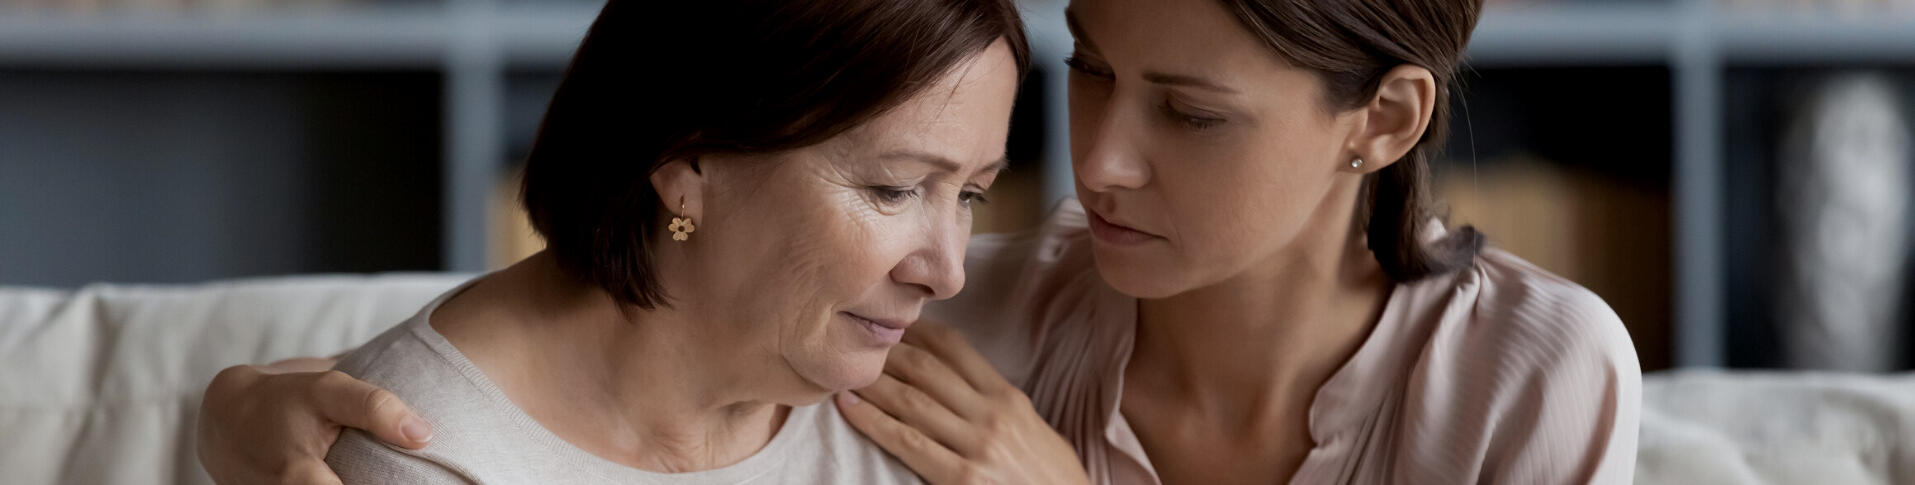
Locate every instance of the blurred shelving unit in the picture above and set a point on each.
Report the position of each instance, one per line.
(470, 46)
(1703, 47)
(494, 63)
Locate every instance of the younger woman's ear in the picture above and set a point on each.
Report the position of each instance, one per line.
(679, 181)
(1395, 118)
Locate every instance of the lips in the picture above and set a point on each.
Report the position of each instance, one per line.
(1116, 233)
(893, 323)
(883, 330)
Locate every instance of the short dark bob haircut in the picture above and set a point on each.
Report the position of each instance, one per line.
(660, 81)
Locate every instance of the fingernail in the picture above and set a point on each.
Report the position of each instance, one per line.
(847, 398)
(416, 430)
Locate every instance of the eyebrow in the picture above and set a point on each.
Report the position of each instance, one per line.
(1183, 80)
(1077, 31)
(941, 162)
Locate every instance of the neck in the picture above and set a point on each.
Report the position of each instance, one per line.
(658, 389)
(1257, 346)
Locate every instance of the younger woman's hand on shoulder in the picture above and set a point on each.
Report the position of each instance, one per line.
(275, 423)
(944, 411)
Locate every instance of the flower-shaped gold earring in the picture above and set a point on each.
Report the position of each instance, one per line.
(681, 226)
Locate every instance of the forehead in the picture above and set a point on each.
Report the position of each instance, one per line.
(964, 116)
(1160, 37)
(1165, 34)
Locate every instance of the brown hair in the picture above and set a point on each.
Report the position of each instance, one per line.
(655, 82)
(1351, 44)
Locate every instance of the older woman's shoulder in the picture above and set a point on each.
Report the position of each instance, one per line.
(358, 458)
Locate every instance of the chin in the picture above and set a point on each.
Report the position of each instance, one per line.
(1138, 279)
(845, 372)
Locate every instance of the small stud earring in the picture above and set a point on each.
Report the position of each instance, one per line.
(681, 227)
(1356, 163)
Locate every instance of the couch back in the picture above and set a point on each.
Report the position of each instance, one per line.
(102, 386)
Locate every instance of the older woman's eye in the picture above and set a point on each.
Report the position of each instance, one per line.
(892, 194)
(969, 197)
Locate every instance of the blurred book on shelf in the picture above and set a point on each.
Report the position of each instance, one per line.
(1842, 204)
(1607, 235)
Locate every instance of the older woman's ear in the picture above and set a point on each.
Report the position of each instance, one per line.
(681, 187)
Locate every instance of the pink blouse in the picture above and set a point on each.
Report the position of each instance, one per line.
(1502, 373)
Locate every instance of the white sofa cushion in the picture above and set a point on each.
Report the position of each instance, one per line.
(102, 385)
(1753, 428)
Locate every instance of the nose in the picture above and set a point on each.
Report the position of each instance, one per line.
(1109, 156)
(936, 265)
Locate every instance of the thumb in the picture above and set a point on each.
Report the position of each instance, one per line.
(354, 403)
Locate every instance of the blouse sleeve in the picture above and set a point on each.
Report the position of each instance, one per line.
(1574, 417)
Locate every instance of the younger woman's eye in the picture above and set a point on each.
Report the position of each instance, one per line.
(1084, 67)
(893, 194)
(1194, 122)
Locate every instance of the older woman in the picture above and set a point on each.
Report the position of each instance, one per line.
(746, 204)
(1253, 288)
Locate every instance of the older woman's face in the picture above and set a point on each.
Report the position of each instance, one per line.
(818, 258)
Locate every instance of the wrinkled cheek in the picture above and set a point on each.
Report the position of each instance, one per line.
(824, 252)
(806, 279)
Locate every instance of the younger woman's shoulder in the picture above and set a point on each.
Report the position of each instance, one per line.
(1512, 301)
(1530, 369)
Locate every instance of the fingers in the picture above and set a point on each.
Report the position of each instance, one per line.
(357, 404)
(256, 427)
(228, 383)
(211, 443)
(929, 373)
(914, 407)
(310, 473)
(300, 364)
(924, 455)
(948, 344)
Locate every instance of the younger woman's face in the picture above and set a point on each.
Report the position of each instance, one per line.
(813, 261)
(1199, 153)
